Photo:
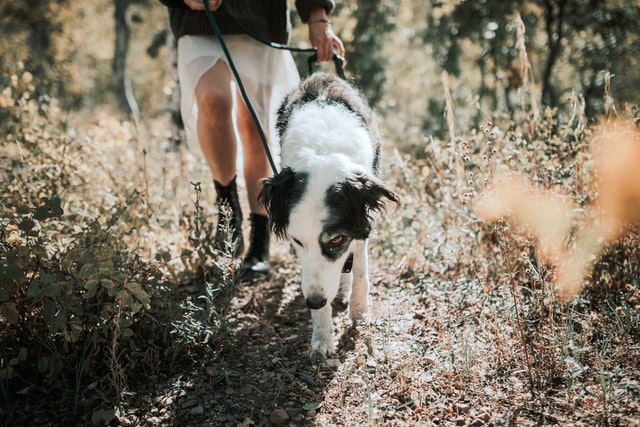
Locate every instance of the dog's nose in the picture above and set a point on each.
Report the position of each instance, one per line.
(316, 301)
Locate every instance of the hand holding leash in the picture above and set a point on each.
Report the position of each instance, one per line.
(322, 36)
(338, 62)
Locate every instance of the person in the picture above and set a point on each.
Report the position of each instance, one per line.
(207, 97)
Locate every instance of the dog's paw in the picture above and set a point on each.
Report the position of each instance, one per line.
(317, 358)
(358, 313)
(322, 350)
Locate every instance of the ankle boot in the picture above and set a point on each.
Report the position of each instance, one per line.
(257, 259)
(229, 212)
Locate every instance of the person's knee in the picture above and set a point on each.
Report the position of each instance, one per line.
(214, 102)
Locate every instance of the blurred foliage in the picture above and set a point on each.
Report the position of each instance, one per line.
(574, 42)
(374, 22)
(30, 29)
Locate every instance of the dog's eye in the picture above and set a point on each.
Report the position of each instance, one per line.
(336, 240)
(297, 242)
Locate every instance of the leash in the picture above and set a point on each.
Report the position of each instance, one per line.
(337, 60)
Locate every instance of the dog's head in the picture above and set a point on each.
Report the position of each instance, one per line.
(322, 217)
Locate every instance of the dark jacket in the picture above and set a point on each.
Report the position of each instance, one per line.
(268, 19)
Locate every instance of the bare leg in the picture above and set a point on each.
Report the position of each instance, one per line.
(218, 142)
(256, 163)
(215, 125)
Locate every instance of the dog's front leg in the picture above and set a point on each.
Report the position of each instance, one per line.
(322, 339)
(359, 302)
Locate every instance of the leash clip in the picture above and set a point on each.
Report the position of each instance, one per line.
(338, 62)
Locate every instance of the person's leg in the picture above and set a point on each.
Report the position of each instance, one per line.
(256, 168)
(255, 161)
(218, 143)
(215, 126)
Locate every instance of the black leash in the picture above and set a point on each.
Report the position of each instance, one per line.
(337, 60)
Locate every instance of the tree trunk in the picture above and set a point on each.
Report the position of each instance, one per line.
(123, 90)
(177, 125)
(554, 21)
(373, 22)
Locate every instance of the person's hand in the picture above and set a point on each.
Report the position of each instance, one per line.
(322, 37)
(199, 4)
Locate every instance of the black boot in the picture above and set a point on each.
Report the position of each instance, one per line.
(257, 259)
(229, 212)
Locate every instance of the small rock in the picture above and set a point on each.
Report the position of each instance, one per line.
(279, 417)
(463, 408)
(484, 417)
(333, 363)
(128, 421)
(477, 423)
(460, 421)
(198, 410)
(153, 421)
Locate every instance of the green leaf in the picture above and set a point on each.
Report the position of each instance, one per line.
(4, 295)
(108, 283)
(91, 286)
(49, 209)
(312, 406)
(24, 210)
(9, 311)
(164, 256)
(43, 365)
(52, 290)
(34, 288)
(6, 373)
(102, 417)
(52, 317)
(87, 271)
(124, 298)
(26, 225)
(139, 293)
(48, 278)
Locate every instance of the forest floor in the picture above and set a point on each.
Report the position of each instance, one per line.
(443, 355)
(450, 341)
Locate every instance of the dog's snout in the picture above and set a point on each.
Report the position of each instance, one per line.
(316, 302)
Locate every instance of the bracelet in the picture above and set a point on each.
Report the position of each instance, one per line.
(317, 21)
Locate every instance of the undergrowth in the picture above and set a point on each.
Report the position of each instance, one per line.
(83, 313)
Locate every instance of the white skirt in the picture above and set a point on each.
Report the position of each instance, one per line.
(267, 74)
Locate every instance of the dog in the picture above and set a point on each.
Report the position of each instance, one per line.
(324, 198)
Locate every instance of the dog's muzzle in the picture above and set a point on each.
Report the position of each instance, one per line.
(316, 302)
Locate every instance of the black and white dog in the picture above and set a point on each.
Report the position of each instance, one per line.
(324, 196)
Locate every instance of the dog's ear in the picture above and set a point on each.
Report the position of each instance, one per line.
(374, 193)
(279, 194)
(354, 200)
